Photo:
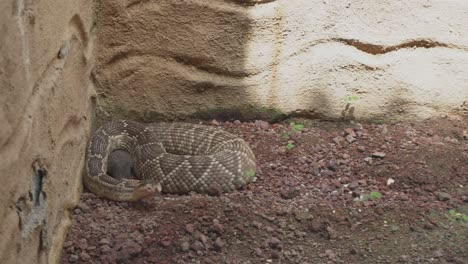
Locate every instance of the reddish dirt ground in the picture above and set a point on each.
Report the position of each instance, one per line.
(327, 192)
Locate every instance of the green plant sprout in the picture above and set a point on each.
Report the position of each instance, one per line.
(351, 98)
(453, 215)
(374, 195)
(289, 146)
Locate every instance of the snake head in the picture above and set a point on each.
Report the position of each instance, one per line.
(146, 189)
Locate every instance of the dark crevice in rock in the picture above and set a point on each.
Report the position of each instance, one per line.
(203, 65)
(123, 55)
(136, 2)
(380, 49)
(251, 2)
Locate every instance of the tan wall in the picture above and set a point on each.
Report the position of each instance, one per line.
(45, 118)
(390, 59)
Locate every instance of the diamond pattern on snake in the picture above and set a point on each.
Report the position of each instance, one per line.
(128, 161)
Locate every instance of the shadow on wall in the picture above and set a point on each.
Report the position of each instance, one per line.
(170, 59)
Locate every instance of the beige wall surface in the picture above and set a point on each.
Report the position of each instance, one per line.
(45, 114)
(354, 59)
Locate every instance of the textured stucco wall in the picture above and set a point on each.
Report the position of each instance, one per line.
(390, 59)
(45, 115)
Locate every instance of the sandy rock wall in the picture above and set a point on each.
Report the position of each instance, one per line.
(45, 114)
(391, 59)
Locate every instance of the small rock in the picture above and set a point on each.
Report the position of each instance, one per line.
(104, 241)
(379, 155)
(274, 243)
(289, 193)
(262, 125)
(465, 135)
(217, 227)
(184, 246)
(275, 254)
(257, 225)
(129, 250)
(218, 245)
(442, 196)
(165, 242)
(105, 248)
(190, 228)
(301, 216)
(215, 122)
(258, 252)
(350, 132)
(368, 160)
(84, 256)
(438, 253)
(350, 139)
(200, 237)
(68, 244)
(353, 185)
(332, 234)
(361, 149)
(331, 255)
(197, 246)
(465, 198)
(82, 244)
(390, 181)
(317, 226)
(332, 166)
(73, 258)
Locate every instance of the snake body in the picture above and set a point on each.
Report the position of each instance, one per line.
(175, 157)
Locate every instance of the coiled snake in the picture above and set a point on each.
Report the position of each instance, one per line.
(175, 157)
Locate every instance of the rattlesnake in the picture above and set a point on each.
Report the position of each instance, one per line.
(175, 157)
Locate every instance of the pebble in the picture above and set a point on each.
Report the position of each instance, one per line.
(184, 246)
(379, 154)
(442, 196)
(200, 237)
(274, 243)
(289, 193)
(350, 139)
(262, 125)
(166, 242)
(218, 245)
(104, 241)
(217, 227)
(105, 248)
(85, 257)
(189, 228)
(73, 258)
(128, 250)
(197, 246)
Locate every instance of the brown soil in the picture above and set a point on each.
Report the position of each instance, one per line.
(320, 199)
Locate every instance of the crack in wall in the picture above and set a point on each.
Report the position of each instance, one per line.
(32, 209)
(251, 2)
(381, 49)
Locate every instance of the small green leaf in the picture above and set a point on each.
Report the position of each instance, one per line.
(375, 195)
(297, 127)
(290, 146)
(250, 173)
(351, 98)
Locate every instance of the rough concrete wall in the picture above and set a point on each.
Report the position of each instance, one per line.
(391, 59)
(45, 113)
